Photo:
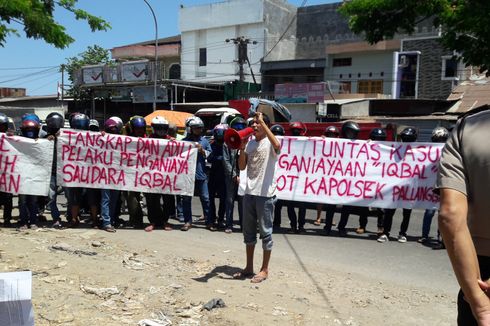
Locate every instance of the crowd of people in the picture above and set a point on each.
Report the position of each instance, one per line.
(216, 182)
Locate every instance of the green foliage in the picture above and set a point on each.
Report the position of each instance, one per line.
(465, 24)
(92, 56)
(38, 22)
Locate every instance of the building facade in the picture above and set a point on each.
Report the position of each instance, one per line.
(208, 57)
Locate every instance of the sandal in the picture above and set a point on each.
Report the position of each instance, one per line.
(109, 228)
(150, 228)
(243, 275)
(73, 223)
(186, 227)
(168, 227)
(211, 227)
(317, 222)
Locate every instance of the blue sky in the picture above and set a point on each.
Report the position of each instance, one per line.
(32, 64)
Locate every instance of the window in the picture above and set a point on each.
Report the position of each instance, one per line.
(449, 68)
(174, 71)
(345, 87)
(342, 62)
(370, 86)
(202, 57)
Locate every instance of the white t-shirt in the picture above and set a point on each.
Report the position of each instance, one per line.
(261, 166)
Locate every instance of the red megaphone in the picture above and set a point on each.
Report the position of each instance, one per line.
(235, 138)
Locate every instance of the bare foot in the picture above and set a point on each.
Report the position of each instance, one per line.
(150, 228)
(259, 277)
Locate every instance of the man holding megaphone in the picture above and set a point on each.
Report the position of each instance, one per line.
(259, 156)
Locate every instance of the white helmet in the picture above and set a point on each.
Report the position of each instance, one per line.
(194, 122)
(159, 125)
(93, 125)
(159, 120)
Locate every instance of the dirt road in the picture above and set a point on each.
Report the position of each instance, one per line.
(90, 277)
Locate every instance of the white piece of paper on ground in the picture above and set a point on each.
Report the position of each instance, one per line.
(16, 299)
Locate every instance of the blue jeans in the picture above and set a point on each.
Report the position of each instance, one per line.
(258, 212)
(180, 208)
(55, 213)
(202, 188)
(108, 206)
(28, 209)
(427, 221)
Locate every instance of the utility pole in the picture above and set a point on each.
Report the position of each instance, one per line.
(62, 83)
(155, 66)
(242, 44)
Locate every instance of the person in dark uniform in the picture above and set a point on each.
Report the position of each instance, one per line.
(407, 135)
(5, 198)
(330, 132)
(350, 130)
(377, 134)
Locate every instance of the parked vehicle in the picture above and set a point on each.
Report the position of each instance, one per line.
(214, 116)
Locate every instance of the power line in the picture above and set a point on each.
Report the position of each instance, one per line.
(28, 68)
(28, 75)
(35, 79)
(43, 85)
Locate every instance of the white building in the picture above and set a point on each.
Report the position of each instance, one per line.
(207, 57)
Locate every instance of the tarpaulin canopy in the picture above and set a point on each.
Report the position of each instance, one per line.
(176, 117)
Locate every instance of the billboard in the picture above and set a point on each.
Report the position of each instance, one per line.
(144, 94)
(93, 75)
(134, 71)
(300, 93)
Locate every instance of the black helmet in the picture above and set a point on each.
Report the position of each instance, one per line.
(350, 130)
(440, 135)
(4, 122)
(331, 132)
(408, 135)
(277, 130)
(54, 122)
(79, 121)
(377, 134)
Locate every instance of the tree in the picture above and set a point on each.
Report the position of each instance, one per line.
(36, 16)
(92, 56)
(465, 24)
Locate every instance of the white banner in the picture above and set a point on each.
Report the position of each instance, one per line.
(93, 160)
(25, 165)
(359, 173)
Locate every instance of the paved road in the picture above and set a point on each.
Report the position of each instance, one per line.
(409, 263)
